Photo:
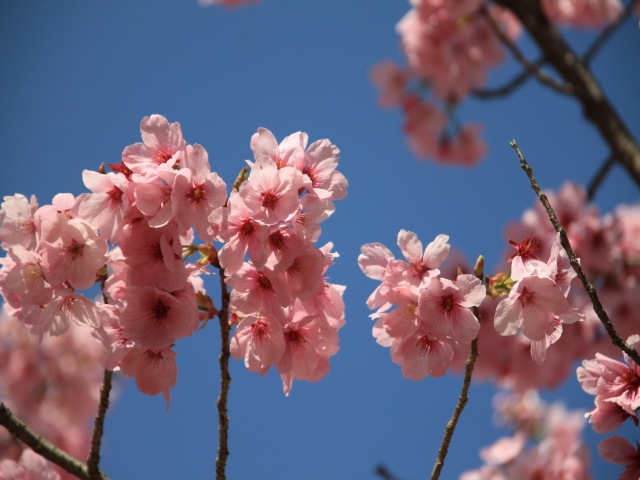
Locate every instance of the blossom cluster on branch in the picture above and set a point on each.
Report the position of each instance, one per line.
(134, 232)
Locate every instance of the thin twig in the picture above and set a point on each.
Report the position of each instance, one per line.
(225, 380)
(43, 447)
(509, 87)
(98, 427)
(382, 472)
(607, 33)
(542, 77)
(462, 401)
(591, 291)
(599, 177)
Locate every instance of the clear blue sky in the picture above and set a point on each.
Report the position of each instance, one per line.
(76, 78)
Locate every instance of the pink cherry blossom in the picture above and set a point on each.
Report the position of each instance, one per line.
(156, 319)
(271, 194)
(445, 307)
(619, 451)
(163, 147)
(31, 466)
(16, 221)
(109, 203)
(391, 81)
(154, 256)
(155, 370)
(240, 232)
(73, 252)
(289, 153)
(531, 305)
(422, 354)
(319, 167)
(419, 266)
(196, 192)
(260, 341)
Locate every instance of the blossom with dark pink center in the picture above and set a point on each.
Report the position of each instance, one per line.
(271, 194)
(155, 370)
(197, 192)
(109, 203)
(422, 354)
(445, 307)
(532, 304)
(524, 261)
(260, 341)
(154, 318)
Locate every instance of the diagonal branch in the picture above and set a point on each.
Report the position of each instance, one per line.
(608, 32)
(509, 87)
(531, 67)
(225, 380)
(599, 177)
(564, 240)
(596, 106)
(94, 455)
(44, 447)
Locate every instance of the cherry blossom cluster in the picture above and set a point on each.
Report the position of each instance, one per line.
(449, 46)
(432, 315)
(616, 387)
(537, 304)
(552, 434)
(288, 313)
(609, 250)
(131, 232)
(53, 387)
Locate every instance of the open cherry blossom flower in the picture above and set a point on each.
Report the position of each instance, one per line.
(289, 153)
(532, 305)
(271, 194)
(16, 221)
(260, 341)
(618, 450)
(445, 307)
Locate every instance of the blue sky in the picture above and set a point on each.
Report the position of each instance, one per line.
(77, 77)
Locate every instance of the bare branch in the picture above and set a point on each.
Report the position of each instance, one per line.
(44, 447)
(599, 177)
(509, 87)
(541, 76)
(382, 472)
(462, 402)
(225, 380)
(564, 240)
(596, 106)
(94, 455)
(608, 32)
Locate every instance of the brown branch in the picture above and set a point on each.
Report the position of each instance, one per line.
(43, 447)
(462, 402)
(509, 87)
(382, 472)
(608, 32)
(225, 380)
(94, 455)
(564, 240)
(599, 177)
(531, 67)
(596, 106)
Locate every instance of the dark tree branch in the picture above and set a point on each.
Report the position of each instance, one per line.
(607, 33)
(382, 472)
(509, 87)
(531, 67)
(596, 106)
(462, 402)
(43, 447)
(599, 177)
(98, 428)
(225, 380)
(564, 240)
